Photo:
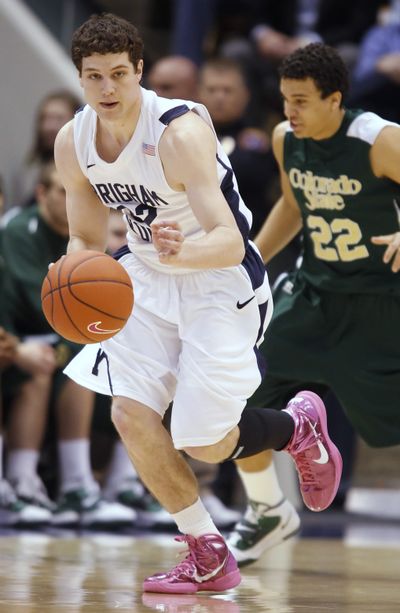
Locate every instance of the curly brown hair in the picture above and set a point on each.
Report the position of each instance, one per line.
(321, 63)
(106, 33)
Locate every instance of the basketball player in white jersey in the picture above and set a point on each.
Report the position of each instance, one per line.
(202, 299)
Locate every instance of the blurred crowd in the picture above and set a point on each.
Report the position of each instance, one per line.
(62, 462)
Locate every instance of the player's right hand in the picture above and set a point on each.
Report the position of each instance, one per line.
(167, 239)
(392, 253)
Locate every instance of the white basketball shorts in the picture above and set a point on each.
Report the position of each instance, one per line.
(192, 339)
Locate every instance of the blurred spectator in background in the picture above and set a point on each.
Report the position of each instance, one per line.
(286, 25)
(53, 112)
(174, 76)
(29, 356)
(191, 22)
(225, 93)
(35, 237)
(263, 32)
(376, 77)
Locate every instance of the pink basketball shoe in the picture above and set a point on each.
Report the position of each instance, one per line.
(317, 459)
(209, 566)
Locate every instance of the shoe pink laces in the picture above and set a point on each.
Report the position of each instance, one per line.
(304, 463)
(201, 555)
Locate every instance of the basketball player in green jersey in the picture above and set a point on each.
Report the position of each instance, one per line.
(336, 319)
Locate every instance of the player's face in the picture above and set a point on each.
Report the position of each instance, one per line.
(55, 113)
(310, 116)
(52, 204)
(110, 84)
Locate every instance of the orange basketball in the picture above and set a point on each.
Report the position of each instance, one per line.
(87, 296)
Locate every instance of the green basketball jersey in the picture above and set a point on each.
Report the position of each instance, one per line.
(28, 246)
(343, 204)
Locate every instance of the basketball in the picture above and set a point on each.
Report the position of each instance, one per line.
(87, 296)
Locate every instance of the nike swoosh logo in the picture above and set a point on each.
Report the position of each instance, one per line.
(203, 578)
(324, 456)
(241, 305)
(90, 165)
(94, 327)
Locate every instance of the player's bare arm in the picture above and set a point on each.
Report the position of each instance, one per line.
(385, 156)
(284, 221)
(87, 216)
(188, 151)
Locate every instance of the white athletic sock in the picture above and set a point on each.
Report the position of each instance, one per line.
(120, 467)
(262, 486)
(195, 520)
(21, 463)
(75, 468)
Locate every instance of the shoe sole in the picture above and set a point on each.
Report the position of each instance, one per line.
(333, 451)
(226, 582)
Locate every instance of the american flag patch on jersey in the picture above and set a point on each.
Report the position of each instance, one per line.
(148, 149)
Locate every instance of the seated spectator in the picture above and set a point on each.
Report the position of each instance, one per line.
(53, 112)
(34, 359)
(32, 239)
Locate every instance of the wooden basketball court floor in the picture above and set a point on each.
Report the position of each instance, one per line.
(335, 566)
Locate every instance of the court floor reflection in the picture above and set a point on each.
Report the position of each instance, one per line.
(41, 573)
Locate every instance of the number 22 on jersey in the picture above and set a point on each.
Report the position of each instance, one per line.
(336, 241)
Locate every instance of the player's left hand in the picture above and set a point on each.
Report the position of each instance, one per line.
(392, 253)
(168, 240)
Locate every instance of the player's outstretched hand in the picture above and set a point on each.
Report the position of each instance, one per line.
(168, 240)
(392, 253)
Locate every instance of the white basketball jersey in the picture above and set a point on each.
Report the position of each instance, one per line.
(135, 182)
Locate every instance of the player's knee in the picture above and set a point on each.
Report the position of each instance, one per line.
(131, 422)
(121, 418)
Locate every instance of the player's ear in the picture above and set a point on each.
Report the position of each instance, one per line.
(336, 100)
(139, 70)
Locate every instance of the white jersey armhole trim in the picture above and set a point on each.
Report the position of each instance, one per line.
(368, 126)
(82, 139)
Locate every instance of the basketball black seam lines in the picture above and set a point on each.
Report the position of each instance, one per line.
(52, 300)
(55, 289)
(52, 290)
(63, 304)
(70, 287)
(103, 280)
